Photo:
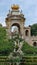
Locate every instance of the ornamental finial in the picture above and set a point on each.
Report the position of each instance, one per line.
(15, 7)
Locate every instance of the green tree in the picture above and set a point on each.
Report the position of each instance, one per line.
(34, 29)
(6, 45)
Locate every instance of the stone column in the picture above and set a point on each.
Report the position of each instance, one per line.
(22, 30)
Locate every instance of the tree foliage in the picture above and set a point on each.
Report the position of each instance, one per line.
(6, 45)
(34, 29)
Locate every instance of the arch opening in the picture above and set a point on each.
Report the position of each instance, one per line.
(34, 44)
(15, 28)
(26, 32)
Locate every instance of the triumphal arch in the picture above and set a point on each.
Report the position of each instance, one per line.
(15, 18)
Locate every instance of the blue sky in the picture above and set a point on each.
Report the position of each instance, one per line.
(29, 9)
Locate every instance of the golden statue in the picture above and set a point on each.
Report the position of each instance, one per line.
(15, 7)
